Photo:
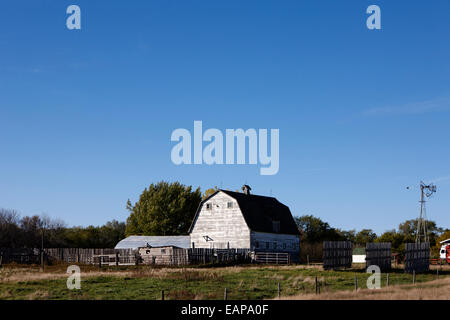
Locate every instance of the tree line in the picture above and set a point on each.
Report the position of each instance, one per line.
(314, 230)
(168, 209)
(35, 231)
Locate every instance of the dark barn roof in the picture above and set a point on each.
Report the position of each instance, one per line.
(259, 212)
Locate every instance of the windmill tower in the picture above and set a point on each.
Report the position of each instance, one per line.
(426, 191)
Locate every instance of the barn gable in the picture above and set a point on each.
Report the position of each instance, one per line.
(219, 223)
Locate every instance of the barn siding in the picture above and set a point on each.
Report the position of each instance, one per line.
(276, 242)
(223, 225)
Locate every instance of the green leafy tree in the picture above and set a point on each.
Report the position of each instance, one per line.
(315, 230)
(396, 239)
(409, 230)
(365, 236)
(163, 209)
(348, 235)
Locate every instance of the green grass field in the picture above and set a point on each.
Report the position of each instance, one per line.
(242, 282)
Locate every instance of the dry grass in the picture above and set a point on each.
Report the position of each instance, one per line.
(433, 290)
(242, 282)
(18, 273)
(10, 275)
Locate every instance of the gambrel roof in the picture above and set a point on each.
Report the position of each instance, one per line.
(260, 212)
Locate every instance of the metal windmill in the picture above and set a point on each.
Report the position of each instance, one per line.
(426, 191)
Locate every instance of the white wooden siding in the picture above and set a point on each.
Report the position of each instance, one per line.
(222, 224)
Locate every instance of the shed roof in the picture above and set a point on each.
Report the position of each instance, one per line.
(445, 241)
(260, 211)
(134, 242)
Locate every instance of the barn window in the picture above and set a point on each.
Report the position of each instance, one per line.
(276, 226)
(163, 251)
(230, 204)
(208, 206)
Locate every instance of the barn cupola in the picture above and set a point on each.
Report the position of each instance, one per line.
(246, 189)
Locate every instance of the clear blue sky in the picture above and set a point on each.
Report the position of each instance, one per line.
(86, 116)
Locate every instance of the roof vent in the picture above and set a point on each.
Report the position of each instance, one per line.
(246, 189)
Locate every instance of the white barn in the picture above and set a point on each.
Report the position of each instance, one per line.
(229, 219)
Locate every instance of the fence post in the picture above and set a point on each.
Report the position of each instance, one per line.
(356, 283)
(317, 286)
(307, 259)
(99, 262)
(414, 276)
(437, 272)
(279, 290)
(225, 294)
(387, 280)
(162, 294)
(117, 258)
(42, 260)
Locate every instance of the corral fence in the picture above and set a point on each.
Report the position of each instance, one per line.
(417, 257)
(201, 255)
(337, 254)
(20, 255)
(112, 257)
(180, 256)
(69, 255)
(379, 254)
(272, 257)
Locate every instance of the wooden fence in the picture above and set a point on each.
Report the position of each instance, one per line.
(68, 255)
(202, 255)
(337, 254)
(20, 255)
(379, 254)
(177, 256)
(417, 257)
(272, 257)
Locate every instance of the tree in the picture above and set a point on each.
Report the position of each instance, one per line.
(31, 231)
(365, 236)
(314, 230)
(163, 209)
(9, 229)
(396, 239)
(409, 230)
(209, 192)
(348, 235)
